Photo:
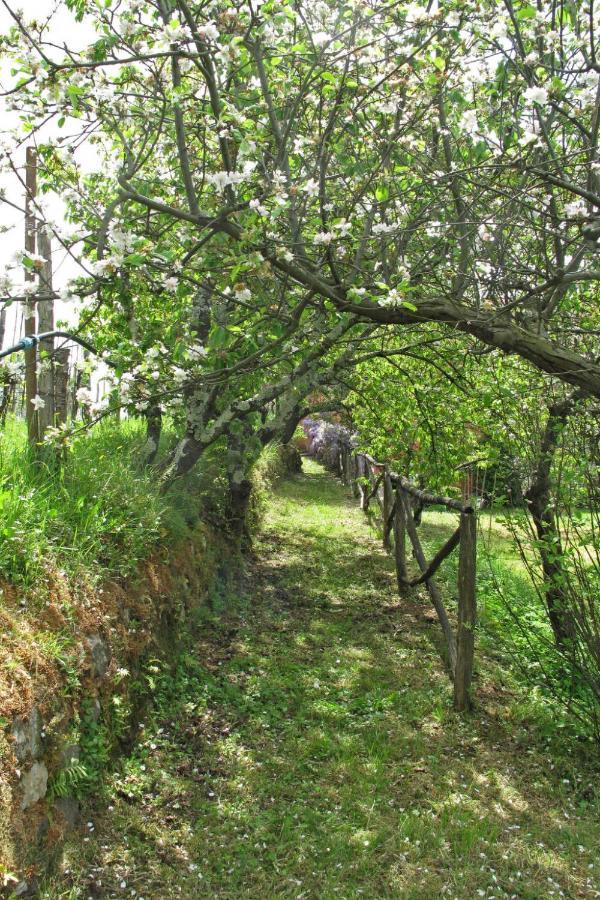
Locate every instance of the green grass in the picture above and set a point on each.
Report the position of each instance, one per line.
(514, 632)
(97, 512)
(305, 747)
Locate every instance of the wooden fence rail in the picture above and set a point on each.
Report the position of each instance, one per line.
(372, 480)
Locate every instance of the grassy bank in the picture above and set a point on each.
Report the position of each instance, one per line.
(305, 747)
(96, 512)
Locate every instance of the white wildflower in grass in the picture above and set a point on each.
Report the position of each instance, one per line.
(537, 95)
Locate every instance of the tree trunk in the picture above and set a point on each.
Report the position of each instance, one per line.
(240, 487)
(153, 432)
(549, 545)
(239, 498)
(61, 384)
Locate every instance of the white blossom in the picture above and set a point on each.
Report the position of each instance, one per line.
(323, 237)
(575, 210)
(242, 293)
(468, 122)
(84, 396)
(415, 14)
(320, 38)
(537, 95)
(311, 188)
(344, 227)
(383, 227)
(208, 32)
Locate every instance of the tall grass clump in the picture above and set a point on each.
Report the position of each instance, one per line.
(95, 509)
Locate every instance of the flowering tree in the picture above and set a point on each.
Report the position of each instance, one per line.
(269, 175)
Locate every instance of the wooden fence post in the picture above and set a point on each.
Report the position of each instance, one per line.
(467, 611)
(400, 541)
(362, 471)
(348, 466)
(354, 472)
(434, 592)
(31, 412)
(388, 502)
(46, 364)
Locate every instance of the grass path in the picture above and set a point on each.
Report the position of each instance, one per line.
(306, 748)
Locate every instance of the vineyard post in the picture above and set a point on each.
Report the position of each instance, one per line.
(354, 472)
(46, 323)
(467, 610)
(362, 471)
(388, 501)
(400, 541)
(31, 413)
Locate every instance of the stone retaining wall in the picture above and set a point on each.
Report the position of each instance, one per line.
(110, 633)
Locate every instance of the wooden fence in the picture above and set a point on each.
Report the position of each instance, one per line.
(396, 497)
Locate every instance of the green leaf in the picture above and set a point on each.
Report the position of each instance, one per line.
(219, 337)
(527, 12)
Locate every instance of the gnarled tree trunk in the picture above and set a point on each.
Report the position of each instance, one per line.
(549, 545)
